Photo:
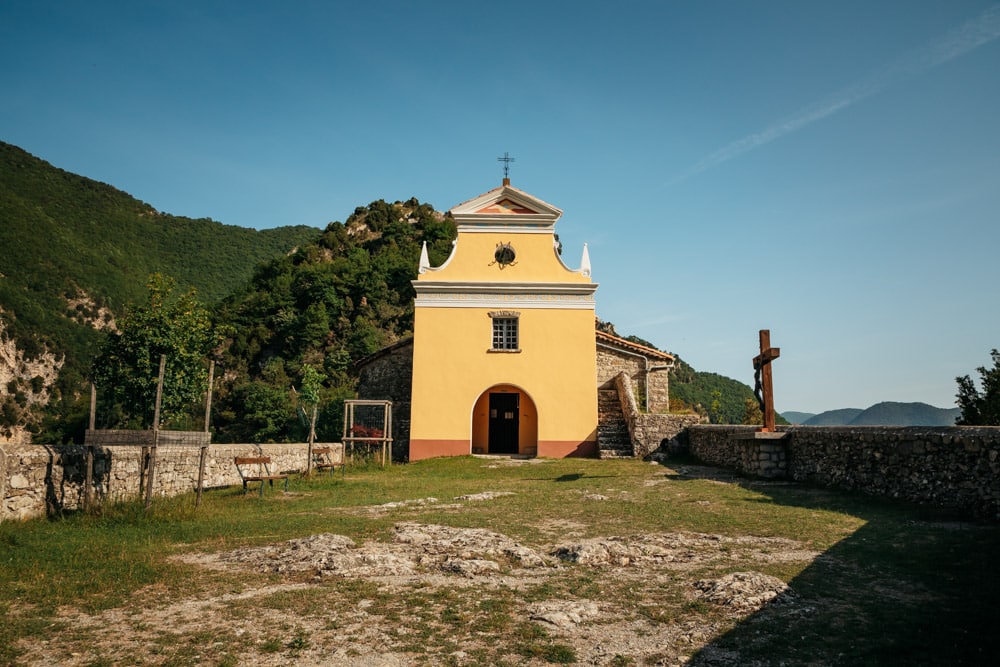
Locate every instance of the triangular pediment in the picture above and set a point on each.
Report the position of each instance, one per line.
(505, 206)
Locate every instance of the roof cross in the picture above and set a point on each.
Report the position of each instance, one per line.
(506, 159)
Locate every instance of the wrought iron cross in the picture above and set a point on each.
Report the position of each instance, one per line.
(506, 159)
(762, 378)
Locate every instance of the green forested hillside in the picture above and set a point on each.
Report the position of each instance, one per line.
(60, 231)
(327, 305)
(723, 400)
(73, 250)
(74, 253)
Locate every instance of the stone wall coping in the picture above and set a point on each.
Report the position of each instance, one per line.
(760, 435)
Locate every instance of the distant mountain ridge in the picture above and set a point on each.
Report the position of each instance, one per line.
(841, 417)
(886, 413)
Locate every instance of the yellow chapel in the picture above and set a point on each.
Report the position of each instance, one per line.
(503, 338)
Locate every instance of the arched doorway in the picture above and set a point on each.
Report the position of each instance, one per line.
(504, 421)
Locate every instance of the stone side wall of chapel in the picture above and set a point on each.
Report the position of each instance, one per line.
(389, 377)
(654, 384)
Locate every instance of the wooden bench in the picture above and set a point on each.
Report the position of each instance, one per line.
(257, 469)
(330, 457)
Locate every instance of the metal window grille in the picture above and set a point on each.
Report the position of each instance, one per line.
(505, 333)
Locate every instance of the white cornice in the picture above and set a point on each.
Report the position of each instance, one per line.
(504, 224)
(568, 296)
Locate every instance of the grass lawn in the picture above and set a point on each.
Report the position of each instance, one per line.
(595, 562)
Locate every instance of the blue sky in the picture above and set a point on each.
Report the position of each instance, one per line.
(827, 170)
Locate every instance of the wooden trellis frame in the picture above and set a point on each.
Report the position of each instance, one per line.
(148, 440)
(368, 435)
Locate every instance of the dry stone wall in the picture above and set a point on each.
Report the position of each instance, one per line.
(649, 432)
(36, 480)
(388, 376)
(650, 385)
(954, 467)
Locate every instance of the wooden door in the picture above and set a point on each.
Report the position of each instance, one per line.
(504, 420)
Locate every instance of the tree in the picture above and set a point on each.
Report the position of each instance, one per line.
(980, 408)
(266, 412)
(751, 412)
(170, 324)
(715, 408)
(312, 385)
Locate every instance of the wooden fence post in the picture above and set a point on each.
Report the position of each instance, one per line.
(204, 445)
(156, 432)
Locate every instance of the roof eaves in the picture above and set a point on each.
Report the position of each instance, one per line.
(364, 361)
(635, 347)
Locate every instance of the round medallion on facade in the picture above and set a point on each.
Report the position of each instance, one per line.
(504, 254)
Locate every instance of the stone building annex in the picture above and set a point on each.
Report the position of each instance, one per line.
(505, 357)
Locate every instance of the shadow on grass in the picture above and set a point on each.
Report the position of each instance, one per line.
(568, 477)
(912, 586)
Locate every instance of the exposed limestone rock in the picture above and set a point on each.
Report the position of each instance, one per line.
(563, 614)
(744, 592)
(485, 495)
(473, 567)
(467, 543)
(83, 309)
(469, 552)
(30, 379)
(678, 549)
(406, 503)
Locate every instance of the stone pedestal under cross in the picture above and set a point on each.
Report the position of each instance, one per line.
(762, 378)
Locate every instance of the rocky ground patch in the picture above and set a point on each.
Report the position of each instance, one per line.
(558, 563)
(454, 571)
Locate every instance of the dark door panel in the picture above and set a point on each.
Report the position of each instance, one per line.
(504, 418)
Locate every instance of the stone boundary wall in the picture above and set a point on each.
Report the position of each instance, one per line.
(36, 480)
(955, 467)
(648, 431)
(115, 436)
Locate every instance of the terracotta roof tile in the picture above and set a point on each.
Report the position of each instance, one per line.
(618, 341)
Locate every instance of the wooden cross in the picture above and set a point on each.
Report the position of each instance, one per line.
(762, 378)
(506, 159)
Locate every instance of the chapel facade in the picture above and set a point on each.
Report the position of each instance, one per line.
(503, 338)
(507, 356)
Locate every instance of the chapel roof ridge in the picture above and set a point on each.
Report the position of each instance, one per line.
(500, 191)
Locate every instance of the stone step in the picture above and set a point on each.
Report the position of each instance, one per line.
(616, 442)
(617, 447)
(613, 440)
